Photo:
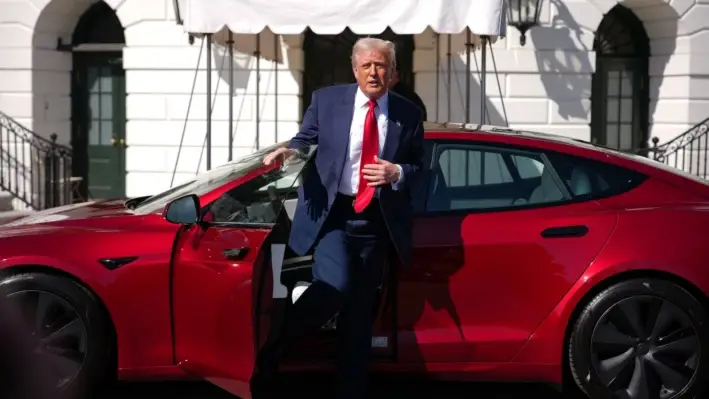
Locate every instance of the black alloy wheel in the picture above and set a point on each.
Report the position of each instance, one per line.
(641, 339)
(58, 333)
(656, 349)
(67, 327)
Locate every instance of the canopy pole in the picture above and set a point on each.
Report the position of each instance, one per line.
(468, 48)
(438, 75)
(189, 108)
(214, 103)
(499, 86)
(257, 54)
(483, 66)
(276, 44)
(230, 42)
(209, 102)
(450, 77)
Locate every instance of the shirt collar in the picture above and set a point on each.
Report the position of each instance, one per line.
(361, 100)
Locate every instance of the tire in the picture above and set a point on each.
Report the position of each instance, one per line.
(604, 330)
(74, 308)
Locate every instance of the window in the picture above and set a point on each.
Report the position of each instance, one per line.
(208, 181)
(588, 179)
(619, 88)
(464, 177)
(260, 200)
(487, 178)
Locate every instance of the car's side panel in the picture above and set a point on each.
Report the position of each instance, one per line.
(482, 283)
(673, 243)
(213, 300)
(135, 295)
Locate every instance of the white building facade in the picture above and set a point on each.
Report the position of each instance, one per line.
(119, 81)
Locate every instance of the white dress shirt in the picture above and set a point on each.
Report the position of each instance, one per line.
(349, 184)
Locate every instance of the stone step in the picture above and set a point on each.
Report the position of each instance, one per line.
(6, 201)
(13, 215)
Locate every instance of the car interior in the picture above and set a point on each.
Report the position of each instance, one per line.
(516, 191)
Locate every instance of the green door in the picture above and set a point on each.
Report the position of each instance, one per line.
(100, 128)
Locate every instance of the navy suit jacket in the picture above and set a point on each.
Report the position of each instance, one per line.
(327, 123)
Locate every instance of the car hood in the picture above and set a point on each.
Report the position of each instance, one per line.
(84, 210)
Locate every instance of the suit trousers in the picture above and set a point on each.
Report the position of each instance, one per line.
(348, 268)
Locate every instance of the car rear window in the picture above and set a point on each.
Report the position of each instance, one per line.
(593, 179)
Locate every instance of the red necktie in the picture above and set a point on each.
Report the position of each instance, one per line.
(370, 148)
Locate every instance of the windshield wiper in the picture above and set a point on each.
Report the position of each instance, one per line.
(133, 202)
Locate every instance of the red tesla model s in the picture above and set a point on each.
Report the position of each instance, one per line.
(536, 258)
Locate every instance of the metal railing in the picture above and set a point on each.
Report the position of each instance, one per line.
(689, 151)
(33, 169)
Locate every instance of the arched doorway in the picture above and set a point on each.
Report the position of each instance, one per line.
(619, 110)
(328, 59)
(98, 103)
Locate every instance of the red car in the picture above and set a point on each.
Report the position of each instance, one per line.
(537, 258)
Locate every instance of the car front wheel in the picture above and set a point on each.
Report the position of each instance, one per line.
(69, 331)
(641, 338)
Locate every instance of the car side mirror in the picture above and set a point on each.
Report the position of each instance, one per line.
(184, 210)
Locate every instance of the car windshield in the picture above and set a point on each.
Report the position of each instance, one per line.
(208, 181)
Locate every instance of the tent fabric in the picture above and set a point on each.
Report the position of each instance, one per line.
(328, 17)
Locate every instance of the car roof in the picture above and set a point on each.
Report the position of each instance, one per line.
(502, 131)
(508, 135)
(569, 145)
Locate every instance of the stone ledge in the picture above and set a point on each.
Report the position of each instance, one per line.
(6, 201)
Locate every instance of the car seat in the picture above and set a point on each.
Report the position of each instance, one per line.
(547, 190)
(580, 183)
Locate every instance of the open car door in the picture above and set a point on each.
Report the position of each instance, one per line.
(219, 267)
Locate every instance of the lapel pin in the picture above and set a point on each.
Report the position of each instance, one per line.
(398, 123)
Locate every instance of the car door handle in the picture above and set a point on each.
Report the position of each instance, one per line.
(236, 253)
(565, 232)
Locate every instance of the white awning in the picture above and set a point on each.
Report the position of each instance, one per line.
(328, 17)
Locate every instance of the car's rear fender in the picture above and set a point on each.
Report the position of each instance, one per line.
(666, 250)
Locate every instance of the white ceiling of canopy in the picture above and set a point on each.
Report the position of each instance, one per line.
(482, 17)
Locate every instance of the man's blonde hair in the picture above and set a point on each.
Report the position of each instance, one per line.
(373, 44)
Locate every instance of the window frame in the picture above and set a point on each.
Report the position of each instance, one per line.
(421, 184)
(642, 177)
(249, 225)
(510, 149)
(288, 191)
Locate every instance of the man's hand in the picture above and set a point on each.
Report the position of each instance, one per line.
(381, 172)
(279, 154)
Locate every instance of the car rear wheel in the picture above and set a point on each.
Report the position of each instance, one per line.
(642, 338)
(68, 327)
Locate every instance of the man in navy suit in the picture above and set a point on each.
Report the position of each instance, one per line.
(353, 205)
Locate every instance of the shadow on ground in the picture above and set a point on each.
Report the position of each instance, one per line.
(320, 386)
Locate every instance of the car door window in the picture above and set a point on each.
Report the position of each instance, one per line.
(483, 178)
(261, 199)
